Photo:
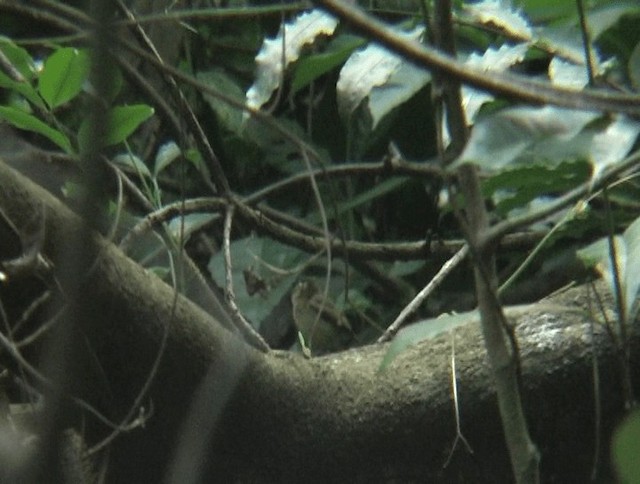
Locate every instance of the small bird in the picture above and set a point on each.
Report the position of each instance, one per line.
(325, 334)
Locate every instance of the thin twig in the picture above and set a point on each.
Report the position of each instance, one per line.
(597, 405)
(446, 268)
(11, 349)
(456, 405)
(238, 318)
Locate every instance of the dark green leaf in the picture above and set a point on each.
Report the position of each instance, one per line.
(122, 121)
(26, 121)
(313, 66)
(516, 187)
(626, 449)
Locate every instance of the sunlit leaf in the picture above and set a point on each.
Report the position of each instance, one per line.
(375, 68)
(271, 60)
(63, 75)
(500, 15)
(492, 59)
(611, 144)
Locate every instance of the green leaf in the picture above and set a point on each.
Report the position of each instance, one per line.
(626, 449)
(23, 88)
(628, 263)
(19, 58)
(427, 329)
(517, 186)
(379, 190)
(64, 73)
(23, 63)
(122, 121)
(310, 68)
(229, 116)
(22, 120)
(634, 67)
(258, 254)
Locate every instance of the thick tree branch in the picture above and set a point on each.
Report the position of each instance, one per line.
(280, 418)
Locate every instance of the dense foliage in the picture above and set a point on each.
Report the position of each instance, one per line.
(336, 155)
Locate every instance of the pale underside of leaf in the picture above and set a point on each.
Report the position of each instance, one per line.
(385, 78)
(272, 61)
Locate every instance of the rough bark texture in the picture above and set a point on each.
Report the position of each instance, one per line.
(224, 412)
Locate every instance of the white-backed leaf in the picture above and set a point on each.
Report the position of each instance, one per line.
(376, 68)
(522, 134)
(492, 60)
(610, 145)
(271, 61)
(500, 15)
(167, 154)
(627, 247)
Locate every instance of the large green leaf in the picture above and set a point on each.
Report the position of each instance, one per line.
(23, 63)
(64, 73)
(527, 134)
(626, 449)
(379, 190)
(257, 255)
(515, 187)
(121, 122)
(427, 329)
(18, 57)
(26, 121)
(228, 116)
